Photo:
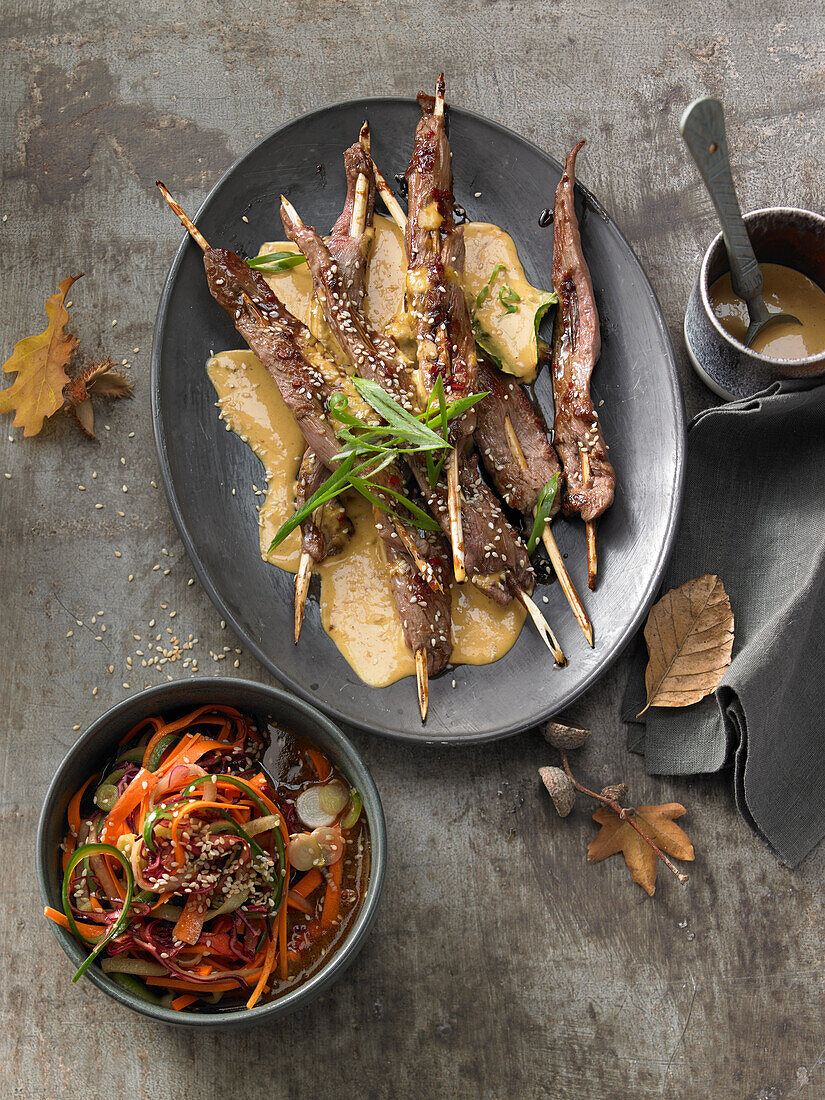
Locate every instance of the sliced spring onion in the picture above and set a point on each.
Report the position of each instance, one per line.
(311, 810)
(333, 797)
(486, 290)
(276, 261)
(544, 507)
(354, 811)
(86, 852)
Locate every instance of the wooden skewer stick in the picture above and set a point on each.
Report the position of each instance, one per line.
(547, 537)
(390, 201)
(590, 527)
(364, 137)
(186, 221)
(541, 624)
(438, 110)
(422, 677)
(302, 579)
(566, 582)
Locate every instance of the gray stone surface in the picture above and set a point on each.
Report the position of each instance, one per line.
(501, 964)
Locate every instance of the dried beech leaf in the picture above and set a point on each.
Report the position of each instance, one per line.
(40, 363)
(617, 836)
(689, 635)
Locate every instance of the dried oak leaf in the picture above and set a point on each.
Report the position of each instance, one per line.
(689, 635)
(40, 363)
(98, 380)
(617, 835)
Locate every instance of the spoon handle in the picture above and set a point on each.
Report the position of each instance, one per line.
(703, 128)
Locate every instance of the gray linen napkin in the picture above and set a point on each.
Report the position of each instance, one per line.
(754, 513)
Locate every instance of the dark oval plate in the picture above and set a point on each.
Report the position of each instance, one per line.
(636, 378)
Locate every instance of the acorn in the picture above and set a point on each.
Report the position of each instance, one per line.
(616, 792)
(561, 789)
(565, 737)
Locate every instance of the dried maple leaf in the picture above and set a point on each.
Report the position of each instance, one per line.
(40, 362)
(98, 380)
(689, 635)
(617, 835)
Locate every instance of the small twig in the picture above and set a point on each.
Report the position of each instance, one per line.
(625, 813)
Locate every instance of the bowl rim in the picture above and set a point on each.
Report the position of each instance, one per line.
(354, 767)
(704, 288)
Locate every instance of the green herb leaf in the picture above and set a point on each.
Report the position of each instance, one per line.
(508, 297)
(544, 507)
(276, 261)
(485, 291)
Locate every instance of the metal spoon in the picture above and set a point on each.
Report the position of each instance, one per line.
(703, 128)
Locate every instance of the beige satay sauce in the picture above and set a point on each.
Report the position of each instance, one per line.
(357, 608)
(784, 291)
(507, 318)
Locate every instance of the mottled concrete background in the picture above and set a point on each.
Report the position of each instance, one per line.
(501, 964)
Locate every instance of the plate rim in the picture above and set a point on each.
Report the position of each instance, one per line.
(329, 708)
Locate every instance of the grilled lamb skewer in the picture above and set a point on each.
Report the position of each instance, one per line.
(507, 443)
(349, 242)
(435, 299)
(520, 460)
(591, 481)
(495, 558)
(419, 610)
(307, 377)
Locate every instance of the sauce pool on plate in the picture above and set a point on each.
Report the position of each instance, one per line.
(785, 291)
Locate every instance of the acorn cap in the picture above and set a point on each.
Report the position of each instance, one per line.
(565, 737)
(616, 791)
(561, 789)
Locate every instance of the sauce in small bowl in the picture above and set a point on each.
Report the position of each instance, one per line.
(785, 291)
(790, 247)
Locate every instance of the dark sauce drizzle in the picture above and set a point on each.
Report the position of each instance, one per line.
(546, 217)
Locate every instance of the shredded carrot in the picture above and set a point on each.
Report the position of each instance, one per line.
(63, 921)
(269, 962)
(195, 987)
(139, 788)
(190, 923)
(332, 897)
(135, 730)
(184, 1001)
(73, 814)
(187, 809)
(304, 886)
(299, 903)
(320, 763)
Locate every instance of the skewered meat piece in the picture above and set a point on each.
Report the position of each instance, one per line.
(425, 614)
(424, 607)
(352, 252)
(513, 442)
(492, 549)
(435, 258)
(576, 347)
(325, 534)
(307, 377)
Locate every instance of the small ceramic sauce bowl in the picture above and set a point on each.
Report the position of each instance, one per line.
(780, 235)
